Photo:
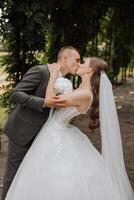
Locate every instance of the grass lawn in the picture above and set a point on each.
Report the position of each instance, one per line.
(3, 117)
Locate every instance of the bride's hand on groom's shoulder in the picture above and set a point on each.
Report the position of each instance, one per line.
(54, 69)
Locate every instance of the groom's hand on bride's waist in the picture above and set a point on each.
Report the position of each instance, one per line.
(50, 102)
(61, 101)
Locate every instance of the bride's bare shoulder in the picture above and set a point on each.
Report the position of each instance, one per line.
(85, 101)
(85, 92)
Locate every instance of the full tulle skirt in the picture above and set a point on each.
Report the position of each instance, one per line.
(63, 164)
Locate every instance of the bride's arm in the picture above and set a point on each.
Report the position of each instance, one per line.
(80, 99)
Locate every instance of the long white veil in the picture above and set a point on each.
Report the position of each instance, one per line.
(112, 151)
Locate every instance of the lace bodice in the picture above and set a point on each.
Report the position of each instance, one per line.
(62, 116)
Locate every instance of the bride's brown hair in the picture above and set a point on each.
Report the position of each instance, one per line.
(97, 66)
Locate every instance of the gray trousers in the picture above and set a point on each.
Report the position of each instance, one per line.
(14, 159)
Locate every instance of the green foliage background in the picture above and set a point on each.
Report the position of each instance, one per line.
(34, 31)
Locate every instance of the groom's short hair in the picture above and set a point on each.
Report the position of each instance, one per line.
(66, 48)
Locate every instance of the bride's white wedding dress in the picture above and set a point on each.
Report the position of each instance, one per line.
(63, 164)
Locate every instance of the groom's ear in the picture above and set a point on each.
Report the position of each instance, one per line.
(65, 58)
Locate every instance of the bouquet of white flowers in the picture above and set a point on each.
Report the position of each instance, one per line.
(63, 86)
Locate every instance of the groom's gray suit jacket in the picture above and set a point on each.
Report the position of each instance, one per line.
(28, 115)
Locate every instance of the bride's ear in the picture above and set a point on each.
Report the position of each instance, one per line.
(89, 70)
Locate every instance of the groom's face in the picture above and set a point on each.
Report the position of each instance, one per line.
(73, 62)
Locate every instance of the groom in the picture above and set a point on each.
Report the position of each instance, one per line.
(32, 110)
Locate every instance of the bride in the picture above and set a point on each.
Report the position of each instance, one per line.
(62, 163)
